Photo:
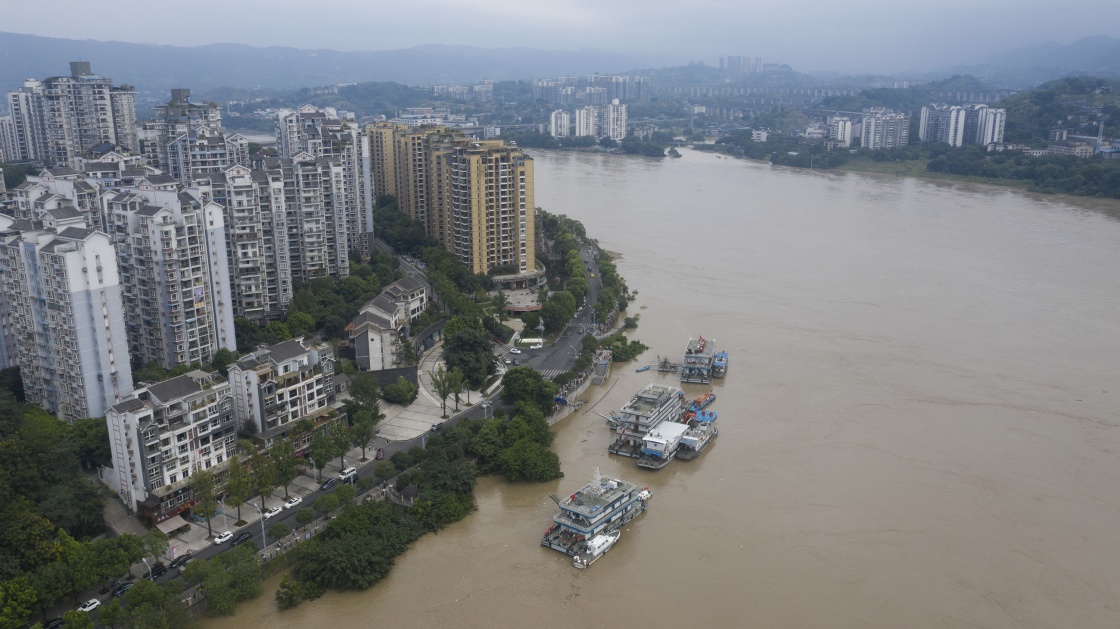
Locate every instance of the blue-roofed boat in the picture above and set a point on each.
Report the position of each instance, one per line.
(702, 401)
(719, 365)
(643, 368)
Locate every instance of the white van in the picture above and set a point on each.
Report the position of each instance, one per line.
(348, 475)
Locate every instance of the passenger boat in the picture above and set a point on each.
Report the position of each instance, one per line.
(697, 363)
(599, 508)
(719, 365)
(698, 436)
(653, 404)
(594, 548)
(660, 444)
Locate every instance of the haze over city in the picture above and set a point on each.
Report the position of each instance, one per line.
(862, 36)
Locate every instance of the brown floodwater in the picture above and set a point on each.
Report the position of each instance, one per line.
(918, 427)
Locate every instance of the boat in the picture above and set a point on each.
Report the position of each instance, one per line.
(664, 364)
(660, 445)
(698, 436)
(719, 365)
(594, 548)
(702, 401)
(643, 368)
(601, 507)
(697, 363)
(653, 404)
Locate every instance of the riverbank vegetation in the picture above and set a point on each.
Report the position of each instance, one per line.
(1052, 174)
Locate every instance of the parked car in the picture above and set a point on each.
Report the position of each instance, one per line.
(121, 589)
(156, 572)
(53, 623)
(181, 560)
(516, 362)
(514, 351)
(509, 361)
(348, 475)
(292, 502)
(242, 538)
(327, 484)
(537, 346)
(223, 537)
(380, 454)
(271, 512)
(89, 605)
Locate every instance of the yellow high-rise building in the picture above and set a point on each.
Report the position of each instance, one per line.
(473, 197)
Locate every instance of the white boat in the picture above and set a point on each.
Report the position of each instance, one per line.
(595, 547)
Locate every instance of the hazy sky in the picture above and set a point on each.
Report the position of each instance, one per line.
(848, 36)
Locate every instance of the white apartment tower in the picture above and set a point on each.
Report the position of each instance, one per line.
(884, 129)
(560, 124)
(614, 121)
(319, 134)
(171, 249)
(59, 118)
(587, 122)
(943, 123)
(60, 302)
(257, 239)
(840, 130)
(164, 433)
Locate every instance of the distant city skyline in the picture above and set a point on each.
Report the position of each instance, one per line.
(861, 36)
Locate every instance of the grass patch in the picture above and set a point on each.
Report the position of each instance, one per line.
(917, 168)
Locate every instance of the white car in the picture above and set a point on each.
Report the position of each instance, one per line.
(294, 501)
(89, 605)
(271, 512)
(223, 537)
(514, 351)
(537, 346)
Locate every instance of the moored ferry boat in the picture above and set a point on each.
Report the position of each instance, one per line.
(660, 444)
(719, 365)
(697, 363)
(698, 436)
(652, 405)
(600, 508)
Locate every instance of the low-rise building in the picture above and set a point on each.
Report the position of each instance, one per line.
(276, 388)
(165, 433)
(377, 332)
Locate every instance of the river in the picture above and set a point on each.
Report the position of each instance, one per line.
(918, 427)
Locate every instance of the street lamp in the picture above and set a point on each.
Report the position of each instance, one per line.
(313, 466)
(145, 560)
(487, 407)
(225, 525)
(264, 538)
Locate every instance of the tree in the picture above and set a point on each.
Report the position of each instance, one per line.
(528, 460)
(90, 437)
(17, 601)
(363, 430)
(221, 361)
(364, 389)
(345, 494)
(401, 392)
(304, 516)
(239, 485)
(500, 303)
(458, 385)
(385, 470)
(202, 491)
(321, 450)
(339, 434)
(155, 543)
(283, 455)
(325, 504)
(525, 384)
(74, 619)
(472, 352)
(263, 474)
(278, 530)
(442, 384)
(111, 613)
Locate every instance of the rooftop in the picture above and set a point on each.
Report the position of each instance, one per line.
(596, 495)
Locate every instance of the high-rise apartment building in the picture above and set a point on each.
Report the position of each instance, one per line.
(884, 129)
(171, 252)
(984, 125)
(163, 434)
(560, 124)
(614, 121)
(840, 130)
(56, 189)
(320, 134)
(491, 206)
(165, 139)
(587, 122)
(942, 123)
(256, 218)
(61, 307)
(59, 118)
(8, 150)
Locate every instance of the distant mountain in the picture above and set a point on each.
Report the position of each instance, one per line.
(1033, 64)
(154, 69)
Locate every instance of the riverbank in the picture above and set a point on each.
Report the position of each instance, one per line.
(917, 168)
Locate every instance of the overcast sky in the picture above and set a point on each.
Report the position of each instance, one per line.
(846, 36)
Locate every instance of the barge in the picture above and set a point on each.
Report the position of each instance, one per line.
(702, 431)
(653, 404)
(601, 507)
(697, 364)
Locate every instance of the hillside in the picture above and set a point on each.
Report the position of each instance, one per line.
(1076, 103)
(155, 69)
